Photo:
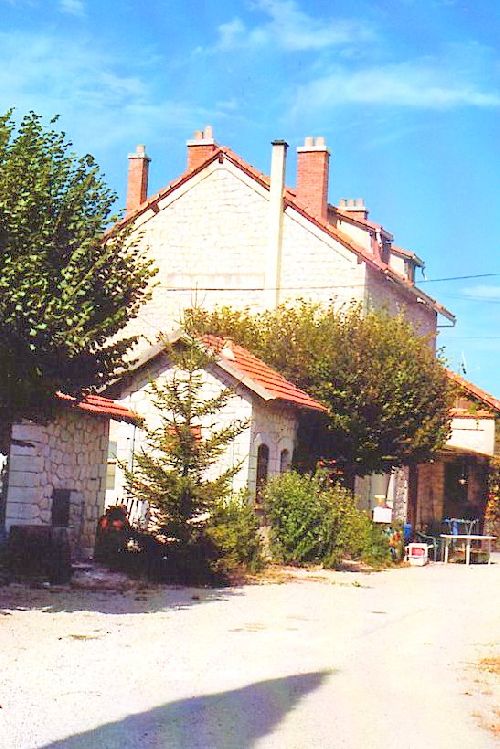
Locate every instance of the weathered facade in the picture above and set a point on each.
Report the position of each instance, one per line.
(56, 470)
(224, 233)
(455, 483)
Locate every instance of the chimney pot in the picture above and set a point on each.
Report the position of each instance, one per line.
(355, 207)
(201, 147)
(308, 141)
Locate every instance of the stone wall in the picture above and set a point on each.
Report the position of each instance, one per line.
(276, 427)
(210, 242)
(68, 453)
(430, 493)
(380, 292)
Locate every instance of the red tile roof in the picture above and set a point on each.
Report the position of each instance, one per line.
(475, 391)
(407, 254)
(257, 375)
(290, 200)
(99, 406)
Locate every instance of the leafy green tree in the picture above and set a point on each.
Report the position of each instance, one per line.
(388, 396)
(175, 472)
(64, 293)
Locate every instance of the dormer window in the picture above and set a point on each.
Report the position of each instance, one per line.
(385, 252)
(410, 271)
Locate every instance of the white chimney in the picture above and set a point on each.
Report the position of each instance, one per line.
(275, 226)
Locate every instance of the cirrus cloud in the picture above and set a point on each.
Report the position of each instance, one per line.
(424, 83)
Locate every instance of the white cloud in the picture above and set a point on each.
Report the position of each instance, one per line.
(73, 7)
(486, 292)
(292, 29)
(418, 83)
(98, 101)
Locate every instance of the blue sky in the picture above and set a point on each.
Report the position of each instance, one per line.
(406, 92)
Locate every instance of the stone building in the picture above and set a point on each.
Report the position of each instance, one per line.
(224, 233)
(263, 399)
(56, 470)
(455, 483)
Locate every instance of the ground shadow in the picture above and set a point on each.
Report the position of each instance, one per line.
(145, 600)
(226, 720)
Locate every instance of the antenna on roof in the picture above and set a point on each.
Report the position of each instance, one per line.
(463, 364)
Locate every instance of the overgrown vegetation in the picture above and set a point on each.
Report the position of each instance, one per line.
(63, 293)
(234, 530)
(313, 521)
(387, 395)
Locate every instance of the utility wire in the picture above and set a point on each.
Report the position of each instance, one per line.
(310, 288)
(458, 278)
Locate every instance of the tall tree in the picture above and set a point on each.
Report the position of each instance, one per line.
(176, 471)
(388, 396)
(64, 292)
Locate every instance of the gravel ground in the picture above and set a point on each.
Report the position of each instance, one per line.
(325, 659)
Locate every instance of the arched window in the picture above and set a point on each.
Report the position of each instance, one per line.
(262, 470)
(284, 461)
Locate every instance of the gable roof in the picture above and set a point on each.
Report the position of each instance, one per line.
(258, 376)
(475, 391)
(96, 405)
(290, 201)
(241, 365)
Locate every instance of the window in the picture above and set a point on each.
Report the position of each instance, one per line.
(60, 507)
(262, 470)
(111, 467)
(284, 461)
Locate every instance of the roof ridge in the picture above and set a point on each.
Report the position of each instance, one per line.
(289, 200)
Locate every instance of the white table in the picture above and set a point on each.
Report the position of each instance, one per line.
(468, 538)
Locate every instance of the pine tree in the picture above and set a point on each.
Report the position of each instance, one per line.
(175, 471)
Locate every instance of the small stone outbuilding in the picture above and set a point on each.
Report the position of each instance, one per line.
(263, 398)
(56, 471)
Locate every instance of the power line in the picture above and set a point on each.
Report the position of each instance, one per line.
(459, 278)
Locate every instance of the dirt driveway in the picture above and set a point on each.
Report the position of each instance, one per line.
(327, 660)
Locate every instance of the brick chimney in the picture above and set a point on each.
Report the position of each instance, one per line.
(200, 148)
(355, 207)
(312, 176)
(137, 185)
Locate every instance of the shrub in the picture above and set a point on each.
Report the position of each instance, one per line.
(229, 541)
(314, 522)
(234, 531)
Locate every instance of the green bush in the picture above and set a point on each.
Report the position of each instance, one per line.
(315, 522)
(234, 531)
